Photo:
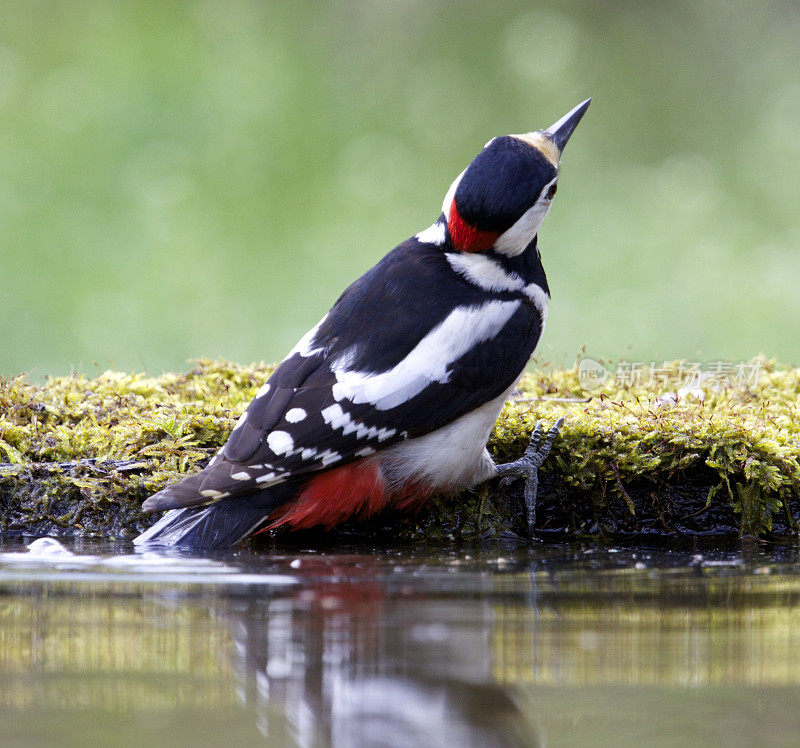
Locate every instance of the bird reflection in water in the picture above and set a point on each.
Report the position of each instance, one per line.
(352, 661)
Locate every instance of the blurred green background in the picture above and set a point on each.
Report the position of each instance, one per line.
(183, 179)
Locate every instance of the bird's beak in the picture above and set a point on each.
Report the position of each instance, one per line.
(560, 131)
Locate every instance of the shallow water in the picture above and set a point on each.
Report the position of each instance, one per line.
(548, 645)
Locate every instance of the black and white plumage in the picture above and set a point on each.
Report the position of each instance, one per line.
(394, 393)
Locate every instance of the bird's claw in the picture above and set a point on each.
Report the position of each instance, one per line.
(528, 465)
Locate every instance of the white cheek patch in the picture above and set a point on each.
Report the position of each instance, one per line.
(515, 240)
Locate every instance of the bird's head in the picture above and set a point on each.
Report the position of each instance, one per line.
(500, 200)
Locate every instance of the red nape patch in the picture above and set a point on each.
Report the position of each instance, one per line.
(332, 497)
(467, 238)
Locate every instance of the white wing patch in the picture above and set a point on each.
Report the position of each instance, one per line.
(429, 360)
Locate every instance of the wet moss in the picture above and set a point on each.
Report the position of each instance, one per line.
(79, 455)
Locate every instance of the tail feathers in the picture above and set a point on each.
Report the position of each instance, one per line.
(218, 525)
(185, 493)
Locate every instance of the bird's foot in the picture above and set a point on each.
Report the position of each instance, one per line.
(528, 465)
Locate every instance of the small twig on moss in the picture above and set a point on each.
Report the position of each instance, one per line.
(98, 466)
(518, 399)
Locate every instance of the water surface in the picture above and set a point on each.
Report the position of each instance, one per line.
(547, 645)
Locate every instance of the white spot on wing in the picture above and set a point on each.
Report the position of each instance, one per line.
(335, 417)
(329, 456)
(280, 442)
(308, 453)
(266, 477)
(364, 452)
(240, 422)
(211, 494)
(295, 414)
(263, 391)
(429, 360)
(241, 475)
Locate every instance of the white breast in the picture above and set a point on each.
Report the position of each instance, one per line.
(452, 457)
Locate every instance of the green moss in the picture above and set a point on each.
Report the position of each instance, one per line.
(162, 427)
(622, 452)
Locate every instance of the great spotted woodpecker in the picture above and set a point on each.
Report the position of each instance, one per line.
(392, 396)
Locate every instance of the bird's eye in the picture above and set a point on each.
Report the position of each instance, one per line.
(552, 191)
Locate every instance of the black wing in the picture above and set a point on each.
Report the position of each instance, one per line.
(349, 390)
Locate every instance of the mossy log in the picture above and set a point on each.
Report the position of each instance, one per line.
(78, 456)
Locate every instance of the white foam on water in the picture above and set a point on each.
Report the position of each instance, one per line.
(45, 555)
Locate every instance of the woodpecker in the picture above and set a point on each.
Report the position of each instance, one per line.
(393, 394)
